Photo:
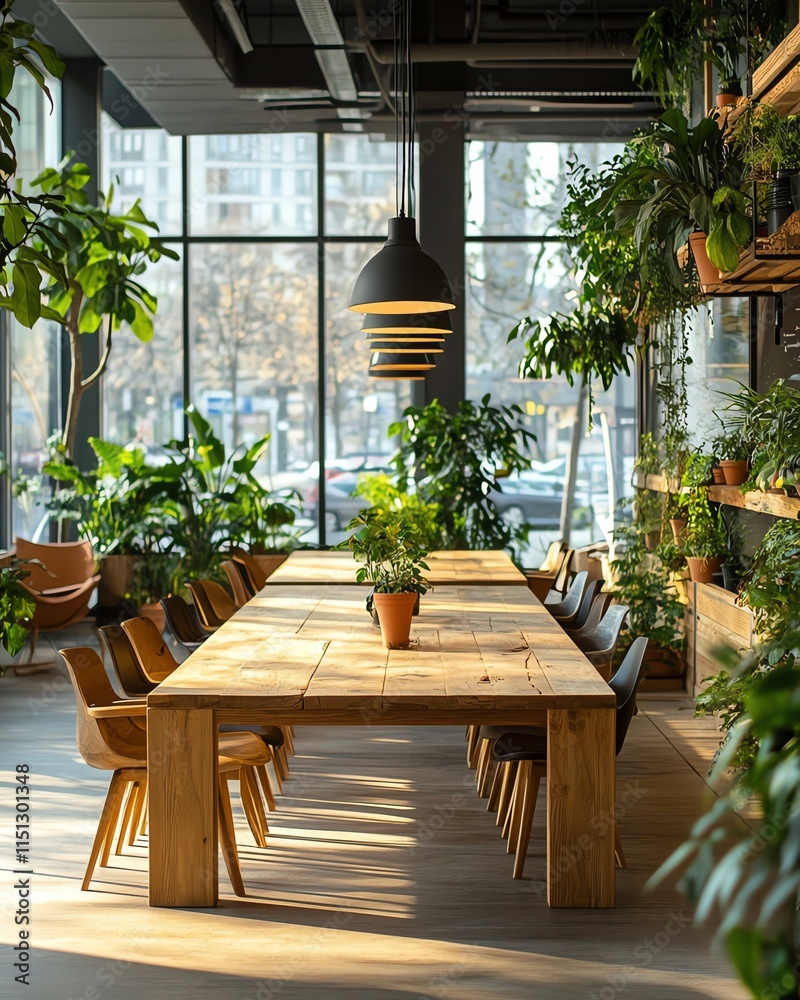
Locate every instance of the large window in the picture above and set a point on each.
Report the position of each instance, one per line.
(517, 267)
(34, 354)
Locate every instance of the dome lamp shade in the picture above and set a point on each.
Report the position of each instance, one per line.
(383, 361)
(401, 278)
(410, 346)
(413, 324)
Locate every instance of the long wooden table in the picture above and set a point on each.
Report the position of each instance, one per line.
(308, 655)
(307, 566)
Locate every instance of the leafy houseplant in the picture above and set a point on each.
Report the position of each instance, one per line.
(16, 608)
(704, 537)
(592, 342)
(420, 518)
(91, 260)
(455, 458)
(697, 191)
(394, 564)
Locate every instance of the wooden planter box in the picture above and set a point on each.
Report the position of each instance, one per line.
(713, 621)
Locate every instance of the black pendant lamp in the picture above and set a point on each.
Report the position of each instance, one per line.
(384, 361)
(416, 324)
(413, 346)
(401, 278)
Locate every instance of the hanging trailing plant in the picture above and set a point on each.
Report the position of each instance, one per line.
(591, 343)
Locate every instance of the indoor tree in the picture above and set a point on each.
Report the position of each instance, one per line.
(90, 259)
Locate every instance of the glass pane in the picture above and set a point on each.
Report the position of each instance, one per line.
(254, 357)
(259, 185)
(144, 163)
(506, 282)
(519, 188)
(358, 409)
(719, 346)
(359, 185)
(143, 384)
(37, 136)
(34, 415)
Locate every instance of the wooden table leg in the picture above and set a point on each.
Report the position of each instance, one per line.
(182, 781)
(580, 807)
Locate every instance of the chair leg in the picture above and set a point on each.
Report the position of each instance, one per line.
(138, 809)
(110, 808)
(619, 855)
(145, 804)
(288, 740)
(530, 790)
(515, 815)
(127, 813)
(112, 823)
(482, 763)
(280, 753)
(506, 793)
(253, 806)
(473, 745)
(494, 791)
(227, 839)
(484, 785)
(277, 771)
(266, 786)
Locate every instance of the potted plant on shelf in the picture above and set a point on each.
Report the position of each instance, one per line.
(732, 456)
(703, 540)
(393, 563)
(696, 191)
(769, 144)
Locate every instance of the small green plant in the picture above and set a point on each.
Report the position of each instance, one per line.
(704, 536)
(766, 140)
(16, 607)
(454, 459)
(421, 518)
(153, 578)
(391, 557)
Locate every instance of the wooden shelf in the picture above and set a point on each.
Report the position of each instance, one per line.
(777, 80)
(777, 504)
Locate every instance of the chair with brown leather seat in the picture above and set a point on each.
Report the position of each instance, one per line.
(108, 739)
(236, 581)
(213, 602)
(61, 586)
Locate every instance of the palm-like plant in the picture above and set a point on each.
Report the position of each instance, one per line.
(696, 185)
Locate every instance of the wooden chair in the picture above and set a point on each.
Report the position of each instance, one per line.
(256, 576)
(600, 645)
(117, 646)
(563, 579)
(543, 580)
(567, 610)
(240, 593)
(213, 603)
(183, 622)
(61, 586)
(522, 758)
(156, 663)
(107, 739)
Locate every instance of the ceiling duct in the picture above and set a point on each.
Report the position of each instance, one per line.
(323, 30)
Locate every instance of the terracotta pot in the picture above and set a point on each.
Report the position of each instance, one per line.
(718, 475)
(735, 472)
(395, 612)
(155, 613)
(702, 570)
(726, 99)
(269, 563)
(709, 275)
(651, 539)
(116, 576)
(678, 525)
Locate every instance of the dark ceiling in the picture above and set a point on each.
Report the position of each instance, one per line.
(539, 68)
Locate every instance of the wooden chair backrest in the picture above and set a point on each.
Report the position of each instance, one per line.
(67, 563)
(203, 605)
(553, 559)
(217, 598)
(152, 653)
(256, 574)
(103, 743)
(181, 620)
(116, 643)
(240, 595)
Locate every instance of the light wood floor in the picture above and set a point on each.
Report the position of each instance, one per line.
(385, 879)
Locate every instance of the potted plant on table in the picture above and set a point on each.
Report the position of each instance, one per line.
(393, 563)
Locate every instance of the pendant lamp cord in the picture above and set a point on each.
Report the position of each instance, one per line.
(412, 113)
(403, 108)
(404, 118)
(396, 111)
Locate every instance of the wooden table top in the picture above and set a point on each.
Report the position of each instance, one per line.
(447, 567)
(311, 648)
